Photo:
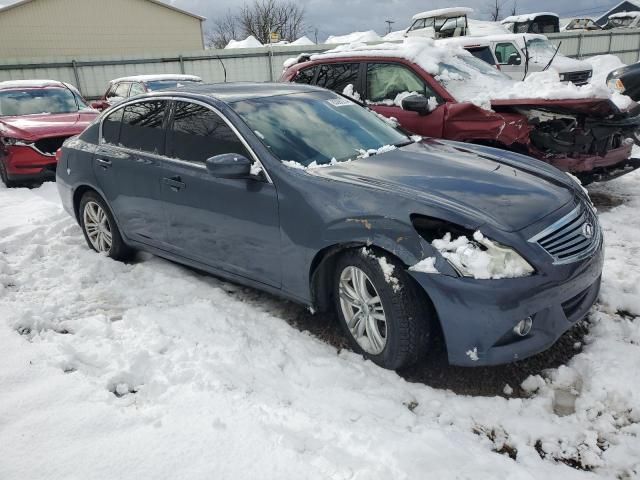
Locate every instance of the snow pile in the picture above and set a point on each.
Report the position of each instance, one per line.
(483, 28)
(602, 66)
(469, 79)
(249, 42)
(302, 41)
(395, 35)
(482, 258)
(350, 92)
(355, 37)
(106, 363)
(373, 151)
(427, 265)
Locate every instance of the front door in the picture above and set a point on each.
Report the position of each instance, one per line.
(387, 83)
(128, 168)
(510, 59)
(229, 224)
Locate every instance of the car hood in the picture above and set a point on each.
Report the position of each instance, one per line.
(482, 187)
(594, 107)
(563, 64)
(33, 127)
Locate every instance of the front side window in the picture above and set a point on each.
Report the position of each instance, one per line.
(33, 101)
(316, 127)
(143, 126)
(336, 76)
(385, 81)
(198, 133)
(136, 89)
(507, 54)
(305, 76)
(121, 91)
(419, 24)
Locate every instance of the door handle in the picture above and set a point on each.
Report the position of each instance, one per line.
(104, 163)
(175, 183)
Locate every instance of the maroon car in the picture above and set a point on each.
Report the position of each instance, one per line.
(448, 93)
(36, 117)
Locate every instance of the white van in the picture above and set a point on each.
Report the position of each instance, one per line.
(509, 53)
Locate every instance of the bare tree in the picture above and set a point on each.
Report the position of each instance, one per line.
(263, 17)
(224, 29)
(495, 9)
(514, 9)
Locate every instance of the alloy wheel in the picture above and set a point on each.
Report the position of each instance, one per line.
(96, 224)
(362, 310)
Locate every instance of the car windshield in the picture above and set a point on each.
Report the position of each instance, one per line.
(162, 84)
(33, 101)
(316, 127)
(467, 78)
(541, 49)
(619, 22)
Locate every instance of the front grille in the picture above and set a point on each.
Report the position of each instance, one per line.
(573, 237)
(577, 78)
(48, 146)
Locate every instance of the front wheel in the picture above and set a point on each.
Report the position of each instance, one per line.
(100, 229)
(380, 308)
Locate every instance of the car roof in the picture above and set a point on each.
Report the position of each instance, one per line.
(157, 77)
(238, 91)
(30, 84)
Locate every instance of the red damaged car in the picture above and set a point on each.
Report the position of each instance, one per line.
(36, 117)
(445, 92)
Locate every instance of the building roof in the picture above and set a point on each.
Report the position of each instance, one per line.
(157, 2)
(634, 3)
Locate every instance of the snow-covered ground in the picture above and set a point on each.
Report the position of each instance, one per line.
(151, 370)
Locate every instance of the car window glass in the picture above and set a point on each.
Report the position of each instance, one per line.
(418, 24)
(385, 81)
(198, 133)
(111, 127)
(136, 89)
(337, 76)
(483, 53)
(112, 91)
(504, 51)
(305, 76)
(142, 126)
(122, 91)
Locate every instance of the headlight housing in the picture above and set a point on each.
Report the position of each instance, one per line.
(9, 141)
(471, 254)
(616, 85)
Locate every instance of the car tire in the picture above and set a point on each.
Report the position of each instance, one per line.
(406, 311)
(100, 229)
(4, 176)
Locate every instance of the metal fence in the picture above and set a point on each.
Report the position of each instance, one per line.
(91, 74)
(625, 44)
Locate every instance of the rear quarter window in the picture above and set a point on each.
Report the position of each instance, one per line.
(305, 76)
(336, 76)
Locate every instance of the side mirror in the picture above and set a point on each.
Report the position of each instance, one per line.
(514, 59)
(229, 165)
(99, 105)
(416, 103)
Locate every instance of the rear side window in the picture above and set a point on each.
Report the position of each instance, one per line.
(305, 76)
(121, 91)
(336, 76)
(198, 133)
(483, 53)
(386, 80)
(111, 127)
(142, 126)
(506, 51)
(136, 89)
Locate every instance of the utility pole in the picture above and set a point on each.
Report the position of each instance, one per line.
(389, 23)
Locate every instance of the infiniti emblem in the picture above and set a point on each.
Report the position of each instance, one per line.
(587, 230)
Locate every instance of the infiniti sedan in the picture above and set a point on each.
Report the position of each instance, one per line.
(301, 192)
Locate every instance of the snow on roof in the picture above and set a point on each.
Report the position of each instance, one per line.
(527, 17)
(302, 41)
(443, 12)
(625, 15)
(466, 78)
(30, 84)
(355, 37)
(480, 28)
(484, 40)
(157, 78)
(249, 42)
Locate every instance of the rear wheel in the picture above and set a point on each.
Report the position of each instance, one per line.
(380, 308)
(100, 229)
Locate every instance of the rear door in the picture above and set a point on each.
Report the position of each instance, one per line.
(229, 224)
(128, 168)
(387, 82)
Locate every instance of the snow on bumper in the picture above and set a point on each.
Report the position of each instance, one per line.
(479, 315)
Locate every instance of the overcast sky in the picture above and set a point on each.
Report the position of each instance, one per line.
(333, 17)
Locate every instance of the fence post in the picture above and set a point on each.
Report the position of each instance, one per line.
(270, 57)
(610, 41)
(580, 46)
(181, 64)
(75, 73)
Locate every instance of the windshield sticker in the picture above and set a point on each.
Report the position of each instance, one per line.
(340, 102)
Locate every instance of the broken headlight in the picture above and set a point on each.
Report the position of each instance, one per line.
(616, 85)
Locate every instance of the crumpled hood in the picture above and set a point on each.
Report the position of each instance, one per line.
(34, 127)
(593, 107)
(483, 187)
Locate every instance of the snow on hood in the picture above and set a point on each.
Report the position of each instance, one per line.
(249, 42)
(469, 79)
(395, 35)
(355, 37)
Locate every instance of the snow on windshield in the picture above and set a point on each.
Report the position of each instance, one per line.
(469, 79)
